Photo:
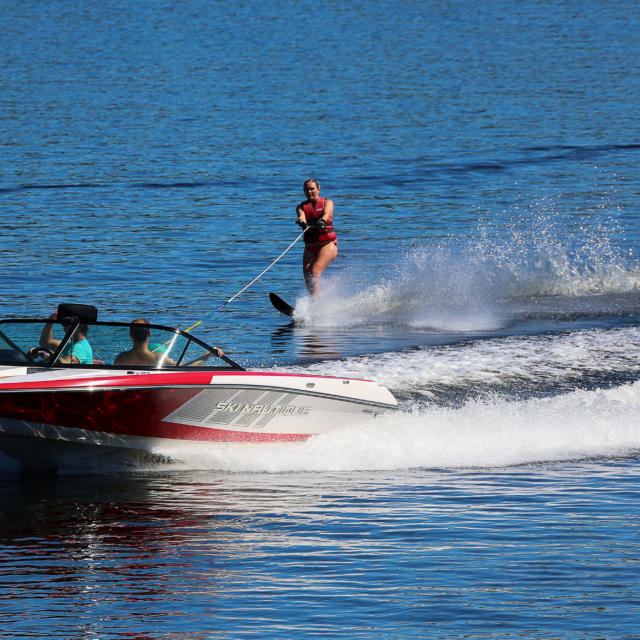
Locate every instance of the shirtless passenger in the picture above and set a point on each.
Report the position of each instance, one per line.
(140, 355)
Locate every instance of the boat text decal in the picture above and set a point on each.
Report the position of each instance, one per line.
(243, 407)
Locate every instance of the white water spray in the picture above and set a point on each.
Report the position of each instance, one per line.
(479, 284)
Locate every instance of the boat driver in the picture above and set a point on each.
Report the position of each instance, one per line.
(78, 349)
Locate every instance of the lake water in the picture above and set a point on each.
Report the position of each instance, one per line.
(483, 159)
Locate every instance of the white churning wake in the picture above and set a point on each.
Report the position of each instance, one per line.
(515, 361)
(479, 283)
(575, 426)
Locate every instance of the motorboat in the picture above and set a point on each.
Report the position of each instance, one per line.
(74, 388)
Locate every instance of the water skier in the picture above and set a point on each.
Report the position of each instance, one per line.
(320, 240)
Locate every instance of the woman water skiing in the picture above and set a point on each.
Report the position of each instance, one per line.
(315, 215)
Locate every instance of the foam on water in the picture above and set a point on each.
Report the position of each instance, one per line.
(479, 284)
(512, 364)
(577, 425)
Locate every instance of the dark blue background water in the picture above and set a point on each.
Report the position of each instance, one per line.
(484, 164)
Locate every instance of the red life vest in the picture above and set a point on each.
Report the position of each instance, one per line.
(317, 236)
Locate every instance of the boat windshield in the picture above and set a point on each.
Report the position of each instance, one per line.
(104, 344)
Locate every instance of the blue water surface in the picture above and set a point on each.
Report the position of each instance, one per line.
(483, 159)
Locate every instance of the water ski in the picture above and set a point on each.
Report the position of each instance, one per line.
(281, 305)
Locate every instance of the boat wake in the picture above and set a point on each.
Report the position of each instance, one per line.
(480, 434)
(520, 366)
(485, 283)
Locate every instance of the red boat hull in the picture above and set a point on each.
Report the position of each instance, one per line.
(125, 412)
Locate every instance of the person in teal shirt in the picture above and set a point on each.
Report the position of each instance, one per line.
(78, 351)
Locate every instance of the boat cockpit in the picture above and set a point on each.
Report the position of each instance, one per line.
(73, 337)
